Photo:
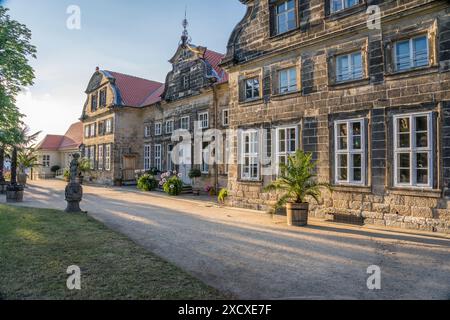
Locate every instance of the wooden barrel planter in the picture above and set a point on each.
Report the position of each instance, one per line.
(297, 214)
(14, 194)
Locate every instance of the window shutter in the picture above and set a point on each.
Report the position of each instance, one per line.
(272, 19)
(331, 61)
(267, 85)
(241, 86)
(390, 59)
(275, 81)
(327, 5)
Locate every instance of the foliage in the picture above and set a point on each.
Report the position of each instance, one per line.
(223, 193)
(297, 180)
(195, 173)
(55, 169)
(67, 174)
(147, 182)
(84, 165)
(27, 159)
(15, 73)
(153, 172)
(172, 183)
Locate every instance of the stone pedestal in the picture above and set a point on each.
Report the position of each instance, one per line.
(74, 194)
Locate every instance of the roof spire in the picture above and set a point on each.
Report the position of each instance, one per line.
(185, 39)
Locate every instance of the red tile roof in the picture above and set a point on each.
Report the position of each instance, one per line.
(215, 58)
(73, 137)
(154, 97)
(133, 90)
(71, 140)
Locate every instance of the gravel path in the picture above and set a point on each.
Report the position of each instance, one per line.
(252, 256)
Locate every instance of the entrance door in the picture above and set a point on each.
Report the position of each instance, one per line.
(185, 163)
(129, 166)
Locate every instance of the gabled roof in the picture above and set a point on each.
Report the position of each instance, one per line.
(154, 97)
(71, 140)
(133, 90)
(214, 59)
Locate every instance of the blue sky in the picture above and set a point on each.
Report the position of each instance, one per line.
(135, 37)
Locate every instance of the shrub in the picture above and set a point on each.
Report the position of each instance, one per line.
(54, 169)
(172, 184)
(223, 193)
(195, 173)
(147, 182)
(67, 174)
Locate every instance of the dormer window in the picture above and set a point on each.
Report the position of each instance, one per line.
(185, 81)
(103, 98)
(94, 102)
(339, 5)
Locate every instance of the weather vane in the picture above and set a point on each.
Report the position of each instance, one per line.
(185, 39)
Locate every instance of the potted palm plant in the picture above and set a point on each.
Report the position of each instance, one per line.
(296, 182)
(26, 159)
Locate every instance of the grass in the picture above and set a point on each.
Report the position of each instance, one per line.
(37, 246)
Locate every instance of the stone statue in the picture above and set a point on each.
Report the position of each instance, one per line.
(74, 191)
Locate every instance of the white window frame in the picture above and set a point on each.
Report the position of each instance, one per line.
(108, 157)
(92, 157)
(100, 155)
(147, 156)
(147, 131)
(170, 164)
(158, 128)
(46, 161)
(253, 155)
(158, 154)
(413, 150)
(285, 153)
(286, 14)
(87, 131)
(108, 126)
(187, 119)
(351, 68)
(291, 87)
(412, 61)
(226, 118)
(344, 5)
(350, 152)
(205, 155)
(169, 126)
(253, 88)
(203, 119)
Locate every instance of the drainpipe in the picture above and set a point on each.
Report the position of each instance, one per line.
(216, 119)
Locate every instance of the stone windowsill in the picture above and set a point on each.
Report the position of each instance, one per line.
(347, 12)
(252, 102)
(352, 188)
(349, 84)
(398, 75)
(416, 192)
(284, 35)
(250, 182)
(281, 96)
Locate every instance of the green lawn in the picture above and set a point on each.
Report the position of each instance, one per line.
(37, 246)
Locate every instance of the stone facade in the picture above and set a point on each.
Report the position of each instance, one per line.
(381, 97)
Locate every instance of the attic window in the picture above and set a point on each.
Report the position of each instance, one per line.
(103, 97)
(283, 16)
(185, 81)
(94, 99)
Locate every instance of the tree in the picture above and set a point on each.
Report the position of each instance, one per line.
(15, 73)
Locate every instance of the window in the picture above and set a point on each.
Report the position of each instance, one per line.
(285, 17)
(108, 157)
(184, 123)
(92, 130)
(203, 120)
(349, 67)
(169, 126)
(101, 128)
(185, 81)
(350, 152)
(108, 126)
(46, 161)
(252, 89)
(287, 80)
(413, 151)
(158, 128)
(94, 102)
(87, 130)
(338, 5)
(100, 157)
(158, 164)
(412, 53)
(249, 156)
(170, 166)
(226, 117)
(91, 156)
(286, 145)
(205, 158)
(147, 152)
(147, 131)
(103, 97)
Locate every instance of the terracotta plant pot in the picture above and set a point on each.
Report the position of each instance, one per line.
(297, 214)
(22, 178)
